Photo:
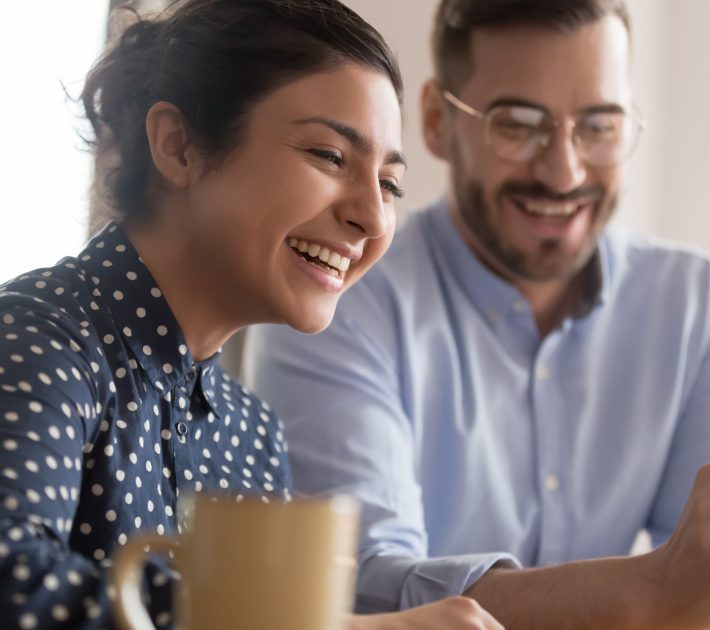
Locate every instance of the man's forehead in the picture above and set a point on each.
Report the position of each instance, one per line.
(540, 64)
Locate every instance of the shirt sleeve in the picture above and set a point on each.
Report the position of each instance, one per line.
(49, 406)
(338, 394)
(690, 444)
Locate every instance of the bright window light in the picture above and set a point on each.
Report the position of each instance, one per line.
(45, 48)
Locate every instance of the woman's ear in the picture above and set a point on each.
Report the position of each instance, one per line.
(169, 144)
(435, 120)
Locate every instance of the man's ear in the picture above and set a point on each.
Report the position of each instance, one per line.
(169, 143)
(435, 120)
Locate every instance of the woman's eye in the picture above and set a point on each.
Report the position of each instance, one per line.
(391, 188)
(332, 156)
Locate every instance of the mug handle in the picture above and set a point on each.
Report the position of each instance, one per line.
(129, 564)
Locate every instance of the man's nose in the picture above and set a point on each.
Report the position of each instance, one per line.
(559, 166)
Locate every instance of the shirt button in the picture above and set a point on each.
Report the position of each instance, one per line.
(519, 306)
(191, 374)
(181, 428)
(543, 373)
(552, 483)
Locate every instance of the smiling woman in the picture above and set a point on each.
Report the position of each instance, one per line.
(295, 174)
(255, 152)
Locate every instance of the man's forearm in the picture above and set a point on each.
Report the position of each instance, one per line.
(608, 593)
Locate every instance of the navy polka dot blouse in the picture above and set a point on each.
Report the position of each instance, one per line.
(105, 419)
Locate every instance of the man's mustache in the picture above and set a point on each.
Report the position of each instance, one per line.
(540, 191)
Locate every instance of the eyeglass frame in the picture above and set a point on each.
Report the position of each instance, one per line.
(485, 116)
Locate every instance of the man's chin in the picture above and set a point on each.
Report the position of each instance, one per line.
(550, 266)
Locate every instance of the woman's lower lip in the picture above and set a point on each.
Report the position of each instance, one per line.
(316, 273)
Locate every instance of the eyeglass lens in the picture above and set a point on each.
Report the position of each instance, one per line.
(519, 134)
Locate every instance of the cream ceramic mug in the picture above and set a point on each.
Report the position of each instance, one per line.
(250, 565)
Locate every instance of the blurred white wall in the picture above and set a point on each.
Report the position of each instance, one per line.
(682, 208)
(45, 47)
(663, 193)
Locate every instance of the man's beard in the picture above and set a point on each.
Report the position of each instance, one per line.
(550, 261)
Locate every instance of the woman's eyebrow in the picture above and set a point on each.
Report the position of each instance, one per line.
(362, 143)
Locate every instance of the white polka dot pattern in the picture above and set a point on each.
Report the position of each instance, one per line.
(105, 420)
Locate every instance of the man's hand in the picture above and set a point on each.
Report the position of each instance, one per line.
(452, 613)
(683, 573)
(666, 588)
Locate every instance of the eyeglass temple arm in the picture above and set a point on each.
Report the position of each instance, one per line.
(459, 104)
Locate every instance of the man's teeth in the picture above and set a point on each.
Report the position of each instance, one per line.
(552, 210)
(322, 253)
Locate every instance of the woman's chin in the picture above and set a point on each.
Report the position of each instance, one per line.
(311, 322)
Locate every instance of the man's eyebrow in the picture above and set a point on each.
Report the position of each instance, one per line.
(604, 108)
(512, 101)
(601, 108)
(362, 143)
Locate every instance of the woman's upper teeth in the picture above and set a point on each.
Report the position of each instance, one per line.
(552, 209)
(322, 253)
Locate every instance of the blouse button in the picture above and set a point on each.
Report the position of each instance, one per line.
(181, 428)
(191, 375)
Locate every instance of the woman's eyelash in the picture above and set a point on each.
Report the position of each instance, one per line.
(331, 156)
(337, 159)
(392, 188)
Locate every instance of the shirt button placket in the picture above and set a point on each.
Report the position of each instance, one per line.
(552, 483)
(543, 373)
(182, 431)
(181, 428)
(549, 414)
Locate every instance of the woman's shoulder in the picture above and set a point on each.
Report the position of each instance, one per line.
(234, 397)
(257, 431)
(58, 295)
(46, 326)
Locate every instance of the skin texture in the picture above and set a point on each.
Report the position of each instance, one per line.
(566, 75)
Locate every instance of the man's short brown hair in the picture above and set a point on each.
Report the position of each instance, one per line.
(456, 19)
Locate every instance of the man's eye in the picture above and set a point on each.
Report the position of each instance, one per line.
(515, 129)
(392, 188)
(332, 156)
(514, 124)
(598, 129)
(517, 122)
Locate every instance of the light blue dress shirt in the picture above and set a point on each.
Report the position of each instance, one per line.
(469, 439)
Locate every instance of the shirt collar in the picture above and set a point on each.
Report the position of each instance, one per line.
(215, 390)
(596, 277)
(126, 289)
(490, 293)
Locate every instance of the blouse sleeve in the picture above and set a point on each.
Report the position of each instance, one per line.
(49, 405)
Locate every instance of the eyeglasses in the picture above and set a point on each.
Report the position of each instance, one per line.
(520, 133)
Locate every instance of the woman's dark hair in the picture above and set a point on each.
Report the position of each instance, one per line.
(214, 60)
(456, 19)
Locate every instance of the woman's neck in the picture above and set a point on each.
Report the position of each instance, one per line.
(188, 287)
